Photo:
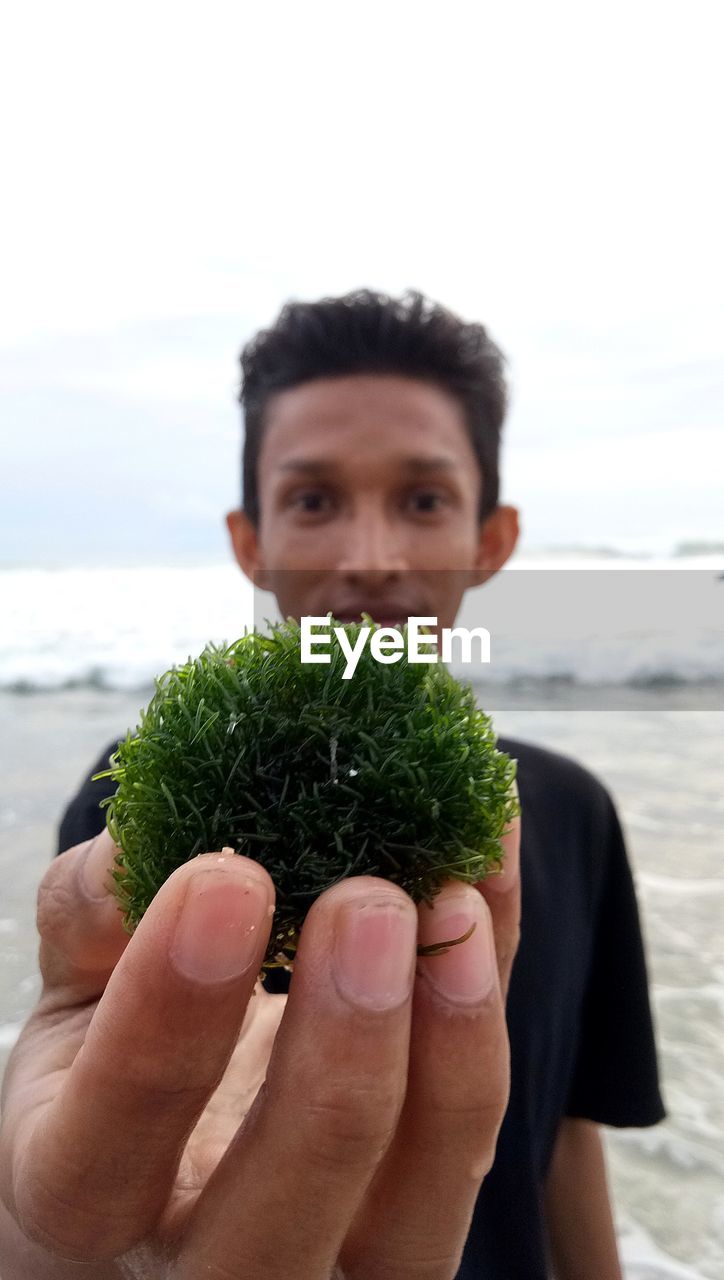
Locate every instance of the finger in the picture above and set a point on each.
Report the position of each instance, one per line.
(416, 1216)
(80, 923)
(82, 938)
(96, 1173)
(502, 894)
(281, 1200)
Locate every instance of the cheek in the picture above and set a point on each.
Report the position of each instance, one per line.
(308, 550)
(450, 546)
(296, 589)
(290, 551)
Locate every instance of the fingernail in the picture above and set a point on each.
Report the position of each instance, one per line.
(95, 872)
(218, 932)
(465, 973)
(373, 956)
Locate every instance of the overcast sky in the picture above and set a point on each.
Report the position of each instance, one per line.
(172, 173)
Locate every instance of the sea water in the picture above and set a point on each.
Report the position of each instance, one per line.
(639, 624)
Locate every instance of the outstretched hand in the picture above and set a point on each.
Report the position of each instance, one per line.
(165, 1117)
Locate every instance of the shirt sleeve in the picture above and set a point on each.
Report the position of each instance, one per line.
(83, 817)
(615, 1079)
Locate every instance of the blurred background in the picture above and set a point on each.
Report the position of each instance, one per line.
(172, 176)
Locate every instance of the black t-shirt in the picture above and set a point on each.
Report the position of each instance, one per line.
(581, 1035)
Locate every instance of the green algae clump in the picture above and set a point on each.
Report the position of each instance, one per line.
(392, 773)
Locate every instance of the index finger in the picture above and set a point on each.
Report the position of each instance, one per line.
(96, 1160)
(80, 924)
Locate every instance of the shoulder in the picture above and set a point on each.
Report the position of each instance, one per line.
(554, 780)
(572, 840)
(83, 816)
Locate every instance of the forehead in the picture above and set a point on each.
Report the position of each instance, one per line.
(382, 414)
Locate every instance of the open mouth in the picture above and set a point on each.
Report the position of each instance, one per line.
(388, 618)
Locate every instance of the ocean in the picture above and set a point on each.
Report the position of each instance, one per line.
(640, 702)
(593, 624)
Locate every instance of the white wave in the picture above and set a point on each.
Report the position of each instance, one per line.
(9, 1032)
(678, 1150)
(679, 885)
(643, 1260)
(113, 628)
(711, 993)
(644, 821)
(119, 628)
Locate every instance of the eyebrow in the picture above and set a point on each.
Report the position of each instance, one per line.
(420, 465)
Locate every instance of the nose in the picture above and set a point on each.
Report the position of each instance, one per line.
(372, 552)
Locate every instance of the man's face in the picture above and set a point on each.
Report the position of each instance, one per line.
(369, 494)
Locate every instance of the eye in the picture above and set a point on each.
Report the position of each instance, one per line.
(311, 502)
(426, 501)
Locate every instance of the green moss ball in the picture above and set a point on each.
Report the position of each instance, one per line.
(392, 773)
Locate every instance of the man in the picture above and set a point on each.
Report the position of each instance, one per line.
(371, 483)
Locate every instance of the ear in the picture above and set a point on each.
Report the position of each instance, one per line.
(245, 545)
(498, 538)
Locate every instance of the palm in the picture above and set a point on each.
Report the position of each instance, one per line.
(226, 1109)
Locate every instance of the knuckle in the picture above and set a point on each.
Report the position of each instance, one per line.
(484, 1165)
(80, 938)
(508, 949)
(476, 1117)
(171, 1091)
(211, 1269)
(151, 1078)
(471, 1131)
(466, 1126)
(481, 1152)
(56, 902)
(433, 1266)
(352, 1124)
(59, 1224)
(405, 1258)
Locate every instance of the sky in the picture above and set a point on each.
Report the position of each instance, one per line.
(174, 173)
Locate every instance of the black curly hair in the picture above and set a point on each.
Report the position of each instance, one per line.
(370, 332)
